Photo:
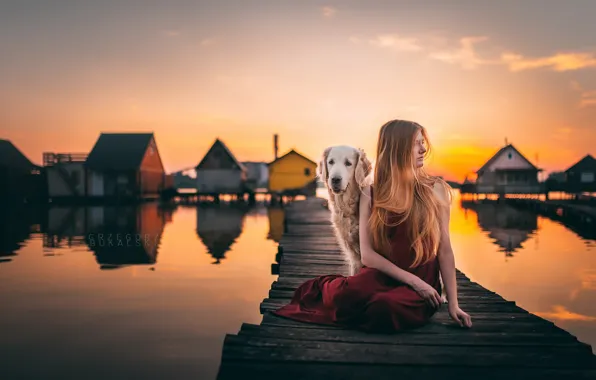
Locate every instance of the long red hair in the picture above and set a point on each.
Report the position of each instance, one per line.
(403, 192)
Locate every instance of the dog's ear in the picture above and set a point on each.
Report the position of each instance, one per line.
(363, 168)
(322, 168)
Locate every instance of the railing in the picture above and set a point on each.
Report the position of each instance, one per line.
(50, 159)
(510, 188)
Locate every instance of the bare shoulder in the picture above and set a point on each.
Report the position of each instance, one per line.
(442, 191)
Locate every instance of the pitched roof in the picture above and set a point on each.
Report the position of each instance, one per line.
(293, 151)
(221, 144)
(119, 151)
(501, 151)
(586, 163)
(12, 157)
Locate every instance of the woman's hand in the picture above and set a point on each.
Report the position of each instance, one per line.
(427, 292)
(460, 316)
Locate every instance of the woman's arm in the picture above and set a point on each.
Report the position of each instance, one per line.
(447, 261)
(447, 258)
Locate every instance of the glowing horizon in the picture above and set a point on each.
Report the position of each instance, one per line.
(316, 74)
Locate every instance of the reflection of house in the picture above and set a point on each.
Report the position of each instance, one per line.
(276, 217)
(22, 181)
(508, 171)
(293, 174)
(507, 226)
(66, 226)
(124, 235)
(125, 165)
(219, 226)
(581, 176)
(15, 228)
(219, 172)
(257, 174)
(65, 174)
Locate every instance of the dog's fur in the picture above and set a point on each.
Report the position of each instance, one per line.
(345, 171)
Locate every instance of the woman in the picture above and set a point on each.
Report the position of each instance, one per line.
(405, 246)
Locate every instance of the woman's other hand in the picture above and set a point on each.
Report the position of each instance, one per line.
(427, 292)
(460, 316)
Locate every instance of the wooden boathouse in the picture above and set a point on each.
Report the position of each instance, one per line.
(219, 172)
(124, 166)
(22, 181)
(508, 171)
(505, 341)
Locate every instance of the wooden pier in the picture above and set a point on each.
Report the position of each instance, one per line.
(583, 213)
(505, 340)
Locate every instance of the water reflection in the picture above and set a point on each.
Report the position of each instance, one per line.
(16, 226)
(276, 223)
(508, 227)
(117, 235)
(218, 227)
(53, 302)
(553, 274)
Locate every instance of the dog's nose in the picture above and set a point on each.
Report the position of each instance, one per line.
(335, 180)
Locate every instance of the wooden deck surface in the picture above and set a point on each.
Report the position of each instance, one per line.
(505, 341)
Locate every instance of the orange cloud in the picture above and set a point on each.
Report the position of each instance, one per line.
(171, 33)
(560, 313)
(396, 42)
(557, 62)
(329, 12)
(207, 42)
(465, 56)
(587, 97)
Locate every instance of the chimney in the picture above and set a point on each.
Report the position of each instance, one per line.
(275, 145)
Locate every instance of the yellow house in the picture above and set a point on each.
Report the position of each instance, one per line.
(292, 174)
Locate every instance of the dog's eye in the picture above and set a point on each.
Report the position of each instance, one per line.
(348, 163)
(331, 162)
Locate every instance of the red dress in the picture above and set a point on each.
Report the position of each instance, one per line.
(370, 300)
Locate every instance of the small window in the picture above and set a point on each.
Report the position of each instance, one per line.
(510, 155)
(307, 171)
(587, 177)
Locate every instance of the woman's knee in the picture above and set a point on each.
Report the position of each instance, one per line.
(386, 313)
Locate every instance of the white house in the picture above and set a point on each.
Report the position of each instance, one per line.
(508, 171)
(219, 172)
(257, 174)
(65, 173)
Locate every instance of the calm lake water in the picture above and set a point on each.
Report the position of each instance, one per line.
(156, 299)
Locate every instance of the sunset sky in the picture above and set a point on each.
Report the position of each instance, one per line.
(318, 73)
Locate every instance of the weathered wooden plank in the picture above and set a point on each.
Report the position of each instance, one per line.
(469, 338)
(470, 306)
(483, 312)
(266, 370)
(436, 327)
(249, 347)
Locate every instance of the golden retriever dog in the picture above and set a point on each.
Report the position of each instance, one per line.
(345, 170)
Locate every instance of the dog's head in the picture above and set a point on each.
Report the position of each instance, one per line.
(342, 165)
